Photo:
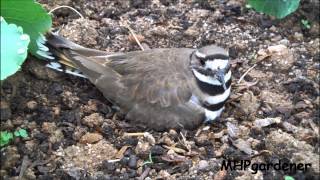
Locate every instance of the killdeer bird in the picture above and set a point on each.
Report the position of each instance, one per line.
(160, 88)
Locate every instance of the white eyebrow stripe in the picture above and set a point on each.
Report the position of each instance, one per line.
(211, 80)
(218, 98)
(200, 55)
(216, 63)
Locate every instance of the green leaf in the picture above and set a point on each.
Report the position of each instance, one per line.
(30, 15)
(306, 23)
(288, 178)
(14, 48)
(277, 8)
(21, 133)
(5, 137)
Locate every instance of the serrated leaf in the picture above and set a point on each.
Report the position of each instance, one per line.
(14, 48)
(21, 133)
(277, 8)
(30, 16)
(5, 137)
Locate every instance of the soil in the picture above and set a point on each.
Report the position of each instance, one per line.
(75, 133)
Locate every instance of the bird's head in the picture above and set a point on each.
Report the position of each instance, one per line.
(212, 62)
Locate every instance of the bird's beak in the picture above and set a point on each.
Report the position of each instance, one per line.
(220, 77)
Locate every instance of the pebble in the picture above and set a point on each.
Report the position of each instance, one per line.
(157, 150)
(285, 42)
(90, 138)
(93, 120)
(203, 165)
(5, 110)
(108, 167)
(56, 89)
(249, 105)
(173, 132)
(282, 57)
(10, 157)
(48, 127)
(32, 105)
(142, 148)
(266, 122)
(56, 136)
(298, 36)
(133, 161)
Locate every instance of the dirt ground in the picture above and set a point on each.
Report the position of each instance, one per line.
(75, 133)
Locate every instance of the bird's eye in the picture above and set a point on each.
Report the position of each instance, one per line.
(202, 61)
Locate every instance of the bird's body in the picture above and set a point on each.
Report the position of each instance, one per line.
(160, 88)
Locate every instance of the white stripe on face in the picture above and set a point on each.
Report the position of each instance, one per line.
(216, 63)
(218, 98)
(211, 80)
(200, 55)
(212, 115)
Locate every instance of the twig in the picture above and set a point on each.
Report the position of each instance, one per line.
(144, 174)
(24, 166)
(113, 160)
(59, 7)
(134, 134)
(241, 78)
(135, 37)
(184, 142)
(133, 34)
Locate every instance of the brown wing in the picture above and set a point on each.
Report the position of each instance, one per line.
(157, 76)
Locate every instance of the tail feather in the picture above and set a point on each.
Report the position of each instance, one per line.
(70, 57)
(53, 50)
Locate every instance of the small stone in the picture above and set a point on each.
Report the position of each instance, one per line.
(157, 150)
(56, 136)
(298, 36)
(163, 174)
(276, 38)
(48, 127)
(29, 174)
(249, 105)
(56, 111)
(203, 165)
(108, 167)
(202, 139)
(5, 110)
(166, 140)
(93, 120)
(172, 132)
(273, 29)
(266, 122)
(56, 88)
(18, 121)
(142, 148)
(78, 133)
(233, 130)
(90, 138)
(285, 42)
(281, 57)
(301, 105)
(10, 157)
(133, 161)
(30, 145)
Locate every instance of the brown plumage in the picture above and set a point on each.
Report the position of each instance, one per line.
(153, 87)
